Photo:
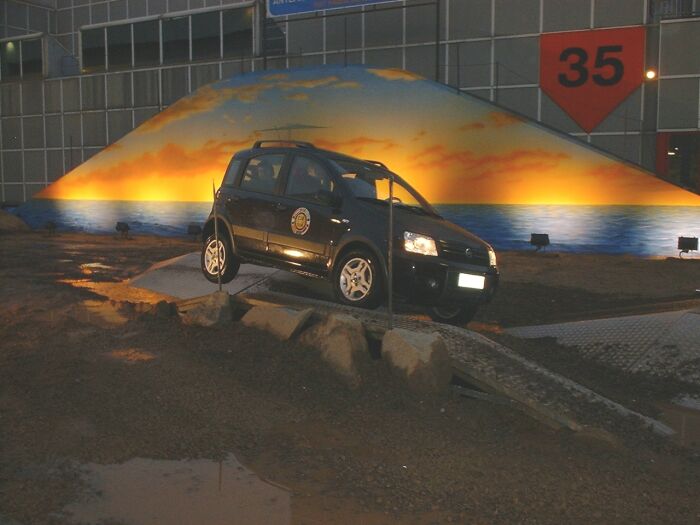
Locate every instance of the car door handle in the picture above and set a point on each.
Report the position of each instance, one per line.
(280, 207)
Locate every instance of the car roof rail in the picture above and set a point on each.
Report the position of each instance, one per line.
(297, 143)
(377, 163)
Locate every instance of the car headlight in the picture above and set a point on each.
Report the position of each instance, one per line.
(416, 243)
(492, 257)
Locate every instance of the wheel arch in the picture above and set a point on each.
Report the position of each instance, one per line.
(223, 225)
(354, 243)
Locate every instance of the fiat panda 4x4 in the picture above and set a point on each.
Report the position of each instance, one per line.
(319, 213)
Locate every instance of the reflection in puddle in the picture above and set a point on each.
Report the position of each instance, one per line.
(132, 355)
(683, 415)
(150, 492)
(90, 268)
(101, 312)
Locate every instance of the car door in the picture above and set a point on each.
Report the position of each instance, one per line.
(306, 216)
(251, 202)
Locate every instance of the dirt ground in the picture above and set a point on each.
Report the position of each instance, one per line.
(83, 379)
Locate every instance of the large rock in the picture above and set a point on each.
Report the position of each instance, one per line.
(420, 358)
(283, 323)
(211, 310)
(342, 342)
(11, 223)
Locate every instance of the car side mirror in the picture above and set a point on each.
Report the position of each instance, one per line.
(329, 198)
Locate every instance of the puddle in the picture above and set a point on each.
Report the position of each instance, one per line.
(683, 415)
(154, 492)
(95, 267)
(101, 312)
(132, 355)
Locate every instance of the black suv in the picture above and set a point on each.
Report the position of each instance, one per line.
(319, 213)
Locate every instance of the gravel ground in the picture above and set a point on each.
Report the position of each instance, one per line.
(83, 379)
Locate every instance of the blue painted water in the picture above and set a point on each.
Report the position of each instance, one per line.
(640, 230)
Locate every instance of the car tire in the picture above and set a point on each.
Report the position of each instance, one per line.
(455, 315)
(230, 265)
(358, 280)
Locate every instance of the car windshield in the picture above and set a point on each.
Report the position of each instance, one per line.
(371, 183)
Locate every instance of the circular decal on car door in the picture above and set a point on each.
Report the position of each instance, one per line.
(301, 220)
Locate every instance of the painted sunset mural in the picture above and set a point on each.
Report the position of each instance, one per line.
(489, 170)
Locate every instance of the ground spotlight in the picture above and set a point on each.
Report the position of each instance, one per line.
(195, 230)
(687, 244)
(539, 240)
(123, 228)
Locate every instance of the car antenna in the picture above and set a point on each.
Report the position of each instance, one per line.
(390, 249)
(216, 237)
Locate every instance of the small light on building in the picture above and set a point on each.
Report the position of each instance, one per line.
(650, 74)
(539, 240)
(123, 228)
(687, 244)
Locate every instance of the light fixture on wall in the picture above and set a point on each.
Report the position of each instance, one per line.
(687, 244)
(539, 240)
(123, 228)
(650, 74)
(195, 230)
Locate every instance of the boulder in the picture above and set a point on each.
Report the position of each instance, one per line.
(11, 223)
(420, 358)
(283, 323)
(212, 309)
(342, 342)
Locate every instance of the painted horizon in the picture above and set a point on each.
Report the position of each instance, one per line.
(454, 148)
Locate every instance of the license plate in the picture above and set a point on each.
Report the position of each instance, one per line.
(468, 280)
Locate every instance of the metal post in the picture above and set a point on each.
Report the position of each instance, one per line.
(390, 250)
(437, 40)
(459, 69)
(345, 57)
(216, 236)
(496, 79)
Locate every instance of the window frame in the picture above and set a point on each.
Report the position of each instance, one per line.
(288, 176)
(38, 36)
(281, 176)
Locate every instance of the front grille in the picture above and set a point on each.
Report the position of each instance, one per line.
(463, 253)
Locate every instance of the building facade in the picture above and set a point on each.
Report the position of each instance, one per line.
(77, 75)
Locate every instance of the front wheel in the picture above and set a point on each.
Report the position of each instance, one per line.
(210, 262)
(357, 280)
(454, 314)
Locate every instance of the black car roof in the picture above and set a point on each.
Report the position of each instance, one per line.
(308, 148)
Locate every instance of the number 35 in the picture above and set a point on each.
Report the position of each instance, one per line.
(580, 72)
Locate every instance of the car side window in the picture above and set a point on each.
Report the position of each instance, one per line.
(231, 173)
(262, 173)
(309, 181)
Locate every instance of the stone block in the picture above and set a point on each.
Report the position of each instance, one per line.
(421, 359)
(283, 323)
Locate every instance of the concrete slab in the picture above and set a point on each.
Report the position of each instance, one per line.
(665, 344)
(182, 277)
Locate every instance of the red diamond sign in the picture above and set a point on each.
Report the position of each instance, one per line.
(589, 73)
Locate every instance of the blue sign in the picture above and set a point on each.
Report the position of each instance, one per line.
(296, 7)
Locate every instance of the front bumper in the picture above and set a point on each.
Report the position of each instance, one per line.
(432, 281)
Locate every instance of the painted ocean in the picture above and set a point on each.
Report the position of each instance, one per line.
(639, 230)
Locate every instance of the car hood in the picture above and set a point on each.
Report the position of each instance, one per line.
(436, 227)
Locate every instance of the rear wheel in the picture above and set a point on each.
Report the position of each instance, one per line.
(210, 262)
(357, 279)
(453, 314)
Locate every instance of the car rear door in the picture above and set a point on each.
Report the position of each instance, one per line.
(251, 202)
(306, 216)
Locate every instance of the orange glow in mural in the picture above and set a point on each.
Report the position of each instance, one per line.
(453, 148)
(483, 167)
